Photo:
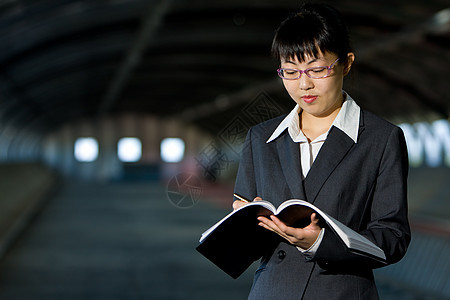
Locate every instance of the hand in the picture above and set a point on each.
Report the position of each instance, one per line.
(238, 203)
(301, 237)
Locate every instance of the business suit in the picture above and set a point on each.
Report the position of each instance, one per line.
(361, 184)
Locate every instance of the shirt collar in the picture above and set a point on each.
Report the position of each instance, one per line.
(347, 120)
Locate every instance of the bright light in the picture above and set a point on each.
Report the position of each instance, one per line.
(172, 150)
(129, 149)
(428, 143)
(86, 149)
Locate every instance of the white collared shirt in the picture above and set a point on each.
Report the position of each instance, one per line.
(346, 120)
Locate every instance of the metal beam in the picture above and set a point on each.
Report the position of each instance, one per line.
(150, 24)
(224, 102)
(437, 23)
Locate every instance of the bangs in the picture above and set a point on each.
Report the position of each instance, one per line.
(309, 33)
(301, 51)
(298, 38)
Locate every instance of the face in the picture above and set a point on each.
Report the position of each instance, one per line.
(318, 97)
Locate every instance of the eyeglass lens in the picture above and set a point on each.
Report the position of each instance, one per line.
(318, 72)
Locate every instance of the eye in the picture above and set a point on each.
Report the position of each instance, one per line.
(289, 72)
(318, 70)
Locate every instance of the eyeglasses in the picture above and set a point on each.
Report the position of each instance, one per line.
(315, 73)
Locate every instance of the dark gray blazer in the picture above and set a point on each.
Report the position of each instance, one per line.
(363, 185)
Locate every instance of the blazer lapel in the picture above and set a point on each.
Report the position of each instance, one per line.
(289, 154)
(330, 155)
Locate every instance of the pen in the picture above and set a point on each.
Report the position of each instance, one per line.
(241, 198)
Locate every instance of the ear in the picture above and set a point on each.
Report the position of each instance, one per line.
(349, 63)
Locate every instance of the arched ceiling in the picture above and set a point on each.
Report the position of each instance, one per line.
(202, 61)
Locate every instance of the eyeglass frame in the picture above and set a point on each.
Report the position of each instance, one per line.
(279, 71)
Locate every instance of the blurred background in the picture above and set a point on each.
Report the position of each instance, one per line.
(122, 121)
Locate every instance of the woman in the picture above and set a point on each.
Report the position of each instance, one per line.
(328, 151)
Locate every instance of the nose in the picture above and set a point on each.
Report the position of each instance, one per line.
(305, 83)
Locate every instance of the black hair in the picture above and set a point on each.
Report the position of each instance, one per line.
(314, 28)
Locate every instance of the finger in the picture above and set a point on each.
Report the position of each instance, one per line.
(238, 203)
(269, 224)
(278, 223)
(293, 234)
(287, 231)
(314, 221)
(314, 218)
(264, 225)
(257, 199)
(275, 230)
(261, 218)
(272, 226)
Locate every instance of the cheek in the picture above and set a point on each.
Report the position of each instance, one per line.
(332, 85)
(289, 86)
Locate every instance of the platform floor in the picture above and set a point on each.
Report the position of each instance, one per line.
(122, 241)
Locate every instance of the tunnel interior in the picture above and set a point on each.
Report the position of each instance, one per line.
(122, 123)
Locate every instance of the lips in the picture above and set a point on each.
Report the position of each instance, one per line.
(309, 99)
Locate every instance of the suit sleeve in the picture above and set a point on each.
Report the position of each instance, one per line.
(245, 180)
(388, 226)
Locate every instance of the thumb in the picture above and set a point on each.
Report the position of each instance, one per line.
(257, 199)
(314, 219)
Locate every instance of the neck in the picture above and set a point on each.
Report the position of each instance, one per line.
(314, 126)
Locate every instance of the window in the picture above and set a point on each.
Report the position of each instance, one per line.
(129, 149)
(172, 150)
(86, 149)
